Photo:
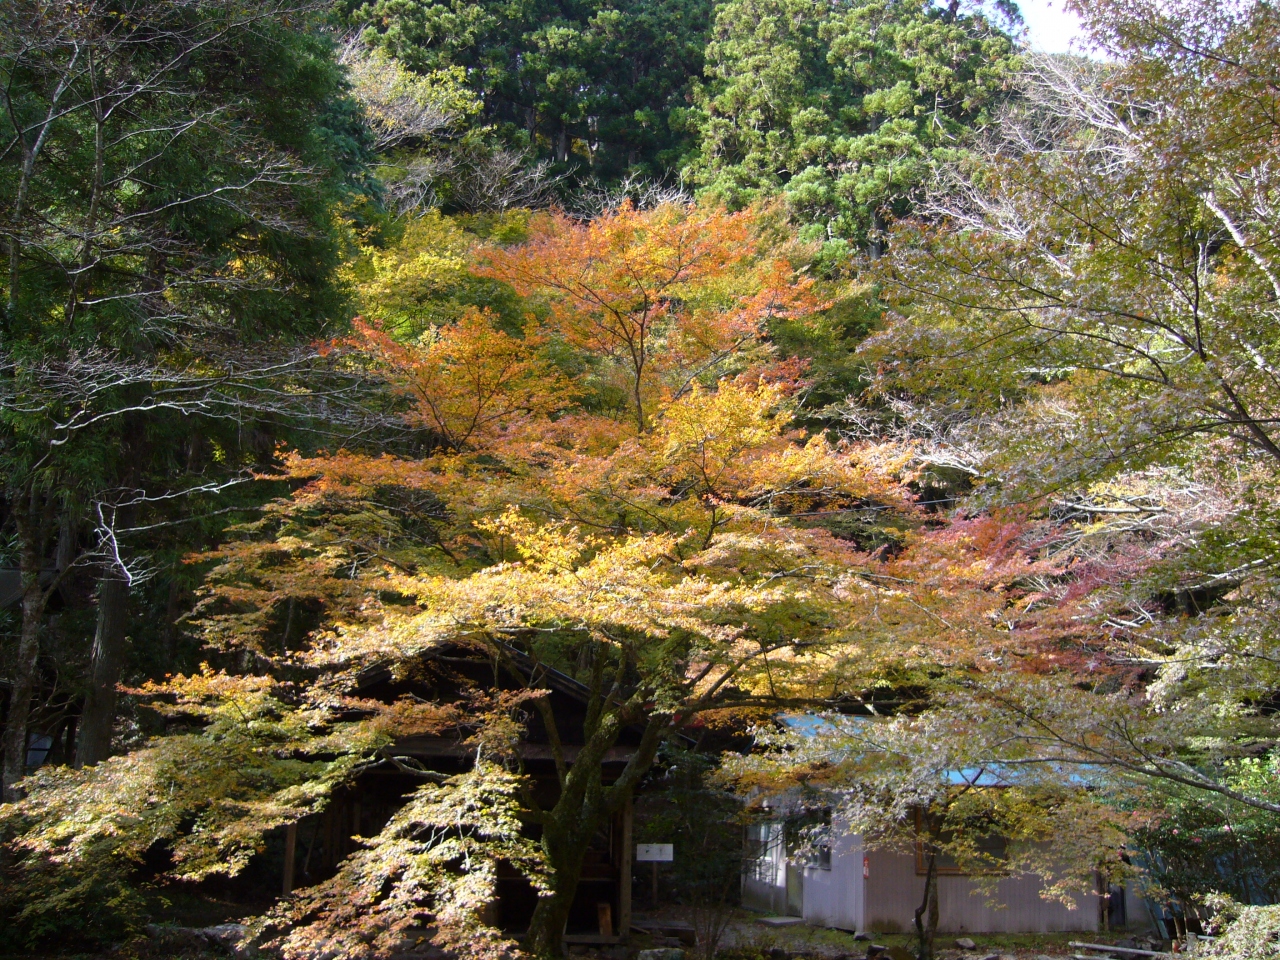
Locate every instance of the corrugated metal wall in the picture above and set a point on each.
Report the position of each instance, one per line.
(885, 901)
(834, 897)
(894, 890)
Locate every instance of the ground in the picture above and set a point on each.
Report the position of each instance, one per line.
(746, 937)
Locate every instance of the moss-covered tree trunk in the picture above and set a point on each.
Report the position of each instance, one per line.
(564, 842)
(585, 801)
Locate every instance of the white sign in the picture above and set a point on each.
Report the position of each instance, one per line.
(654, 852)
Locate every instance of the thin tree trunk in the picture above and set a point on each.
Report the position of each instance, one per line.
(640, 424)
(69, 738)
(926, 917)
(169, 637)
(877, 235)
(24, 686)
(32, 519)
(29, 155)
(107, 661)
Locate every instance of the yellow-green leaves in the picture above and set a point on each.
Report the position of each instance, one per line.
(251, 763)
(433, 867)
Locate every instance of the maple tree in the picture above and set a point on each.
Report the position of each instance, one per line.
(654, 565)
(671, 571)
(667, 294)
(440, 850)
(247, 761)
(469, 379)
(664, 610)
(1008, 545)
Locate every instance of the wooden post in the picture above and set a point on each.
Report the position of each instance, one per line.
(290, 854)
(604, 917)
(624, 872)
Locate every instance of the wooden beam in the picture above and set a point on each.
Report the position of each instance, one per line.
(444, 747)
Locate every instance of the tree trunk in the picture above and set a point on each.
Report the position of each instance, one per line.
(876, 248)
(584, 800)
(169, 636)
(109, 640)
(565, 853)
(32, 518)
(927, 913)
(639, 397)
(567, 831)
(24, 686)
(569, 826)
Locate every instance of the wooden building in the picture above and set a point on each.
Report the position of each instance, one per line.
(602, 907)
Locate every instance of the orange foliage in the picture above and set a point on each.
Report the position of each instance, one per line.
(674, 290)
(468, 380)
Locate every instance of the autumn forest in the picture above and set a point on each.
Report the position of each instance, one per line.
(443, 442)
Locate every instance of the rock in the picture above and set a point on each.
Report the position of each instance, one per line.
(964, 943)
(992, 956)
(662, 953)
(780, 921)
(226, 932)
(862, 936)
(875, 949)
(231, 937)
(1044, 956)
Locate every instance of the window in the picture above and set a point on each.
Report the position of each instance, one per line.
(763, 854)
(991, 847)
(822, 859)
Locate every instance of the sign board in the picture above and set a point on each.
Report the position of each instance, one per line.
(654, 852)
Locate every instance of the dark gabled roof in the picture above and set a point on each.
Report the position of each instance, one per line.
(553, 678)
(538, 673)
